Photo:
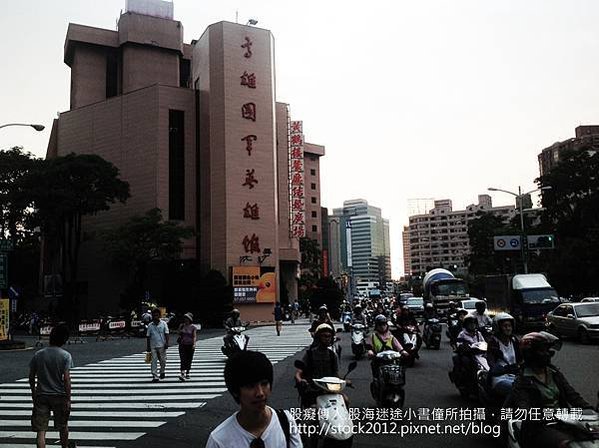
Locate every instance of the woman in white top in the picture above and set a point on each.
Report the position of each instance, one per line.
(503, 355)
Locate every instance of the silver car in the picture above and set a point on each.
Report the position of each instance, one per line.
(579, 320)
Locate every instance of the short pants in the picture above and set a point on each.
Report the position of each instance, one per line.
(42, 406)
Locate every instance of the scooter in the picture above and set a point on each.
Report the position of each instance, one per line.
(346, 320)
(238, 342)
(358, 345)
(431, 335)
(335, 427)
(410, 341)
(387, 388)
(466, 381)
(585, 431)
(453, 330)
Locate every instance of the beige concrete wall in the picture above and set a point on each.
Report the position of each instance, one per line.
(88, 75)
(145, 66)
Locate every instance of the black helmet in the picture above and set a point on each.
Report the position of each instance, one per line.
(470, 318)
(480, 306)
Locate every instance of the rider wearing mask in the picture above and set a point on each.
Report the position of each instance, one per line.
(382, 339)
(319, 360)
(503, 355)
(466, 352)
(542, 385)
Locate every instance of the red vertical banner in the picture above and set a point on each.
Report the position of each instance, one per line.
(297, 199)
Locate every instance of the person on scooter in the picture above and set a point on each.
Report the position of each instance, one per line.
(455, 330)
(542, 385)
(482, 318)
(503, 356)
(323, 318)
(233, 321)
(382, 339)
(429, 312)
(320, 360)
(358, 317)
(466, 352)
(406, 318)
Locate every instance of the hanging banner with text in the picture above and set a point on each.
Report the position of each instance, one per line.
(4, 318)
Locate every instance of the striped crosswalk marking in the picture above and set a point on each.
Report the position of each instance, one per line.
(114, 400)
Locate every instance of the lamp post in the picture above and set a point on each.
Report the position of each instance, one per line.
(519, 198)
(37, 127)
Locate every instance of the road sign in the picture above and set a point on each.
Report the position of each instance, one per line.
(506, 242)
(6, 245)
(3, 271)
(541, 242)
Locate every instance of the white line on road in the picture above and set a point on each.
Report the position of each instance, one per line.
(74, 435)
(91, 423)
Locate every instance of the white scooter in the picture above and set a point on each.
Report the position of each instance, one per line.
(335, 427)
(239, 342)
(587, 429)
(358, 345)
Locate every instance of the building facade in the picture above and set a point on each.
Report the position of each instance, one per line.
(360, 244)
(407, 259)
(440, 237)
(196, 131)
(585, 137)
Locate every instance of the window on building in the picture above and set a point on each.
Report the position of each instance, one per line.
(314, 228)
(313, 200)
(176, 165)
(112, 74)
(184, 72)
(313, 186)
(313, 172)
(313, 214)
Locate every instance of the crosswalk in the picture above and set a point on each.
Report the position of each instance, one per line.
(113, 401)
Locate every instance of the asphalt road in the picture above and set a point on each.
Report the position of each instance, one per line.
(427, 386)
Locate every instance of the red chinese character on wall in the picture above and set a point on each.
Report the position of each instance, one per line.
(297, 205)
(249, 139)
(249, 80)
(252, 244)
(298, 232)
(251, 211)
(297, 192)
(250, 180)
(296, 153)
(297, 179)
(297, 165)
(296, 126)
(248, 111)
(248, 47)
(298, 218)
(296, 139)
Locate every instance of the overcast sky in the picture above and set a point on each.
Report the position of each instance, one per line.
(412, 99)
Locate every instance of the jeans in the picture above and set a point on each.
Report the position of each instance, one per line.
(158, 354)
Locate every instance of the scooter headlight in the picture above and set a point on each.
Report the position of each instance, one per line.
(334, 387)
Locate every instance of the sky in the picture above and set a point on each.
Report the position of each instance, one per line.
(412, 99)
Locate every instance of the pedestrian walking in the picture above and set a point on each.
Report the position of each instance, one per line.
(50, 383)
(278, 312)
(157, 340)
(187, 345)
(249, 376)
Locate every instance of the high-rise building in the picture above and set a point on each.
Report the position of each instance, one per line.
(407, 260)
(196, 131)
(359, 238)
(585, 137)
(439, 238)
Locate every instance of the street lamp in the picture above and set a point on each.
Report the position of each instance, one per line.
(519, 196)
(37, 127)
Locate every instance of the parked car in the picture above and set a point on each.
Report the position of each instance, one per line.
(590, 299)
(579, 320)
(416, 306)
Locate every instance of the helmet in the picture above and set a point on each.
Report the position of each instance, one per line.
(322, 328)
(380, 319)
(429, 306)
(503, 316)
(480, 306)
(358, 308)
(531, 342)
(235, 311)
(452, 304)
(462, 311)
(323, 308)
(405, 308)
(470, 318)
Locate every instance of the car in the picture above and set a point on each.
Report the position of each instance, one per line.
(416, 306)
(580, 320)
(469, 304)
(403, 297)
(590, 299)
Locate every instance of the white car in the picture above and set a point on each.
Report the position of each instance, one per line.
(469, 304)
(590, 299)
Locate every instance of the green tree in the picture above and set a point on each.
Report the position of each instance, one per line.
(483, 259)
(142, 240)
(63, 191)
(310, 266)
(572, 214)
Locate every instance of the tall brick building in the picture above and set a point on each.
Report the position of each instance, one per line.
(197, 132)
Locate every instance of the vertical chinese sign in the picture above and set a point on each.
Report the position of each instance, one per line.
(4, 318)
(297, 217)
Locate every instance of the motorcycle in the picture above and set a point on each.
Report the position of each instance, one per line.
(237, 343)
(387, 387)
(585, 430)
(346, 318)
(431, 335)
(335, 427)
(486, 331)
(410, 339)
(467, 382)
(358, 345)
(453, 330)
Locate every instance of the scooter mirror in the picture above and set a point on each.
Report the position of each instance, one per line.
(299, 364)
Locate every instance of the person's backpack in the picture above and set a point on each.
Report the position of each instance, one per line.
(284, 422)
